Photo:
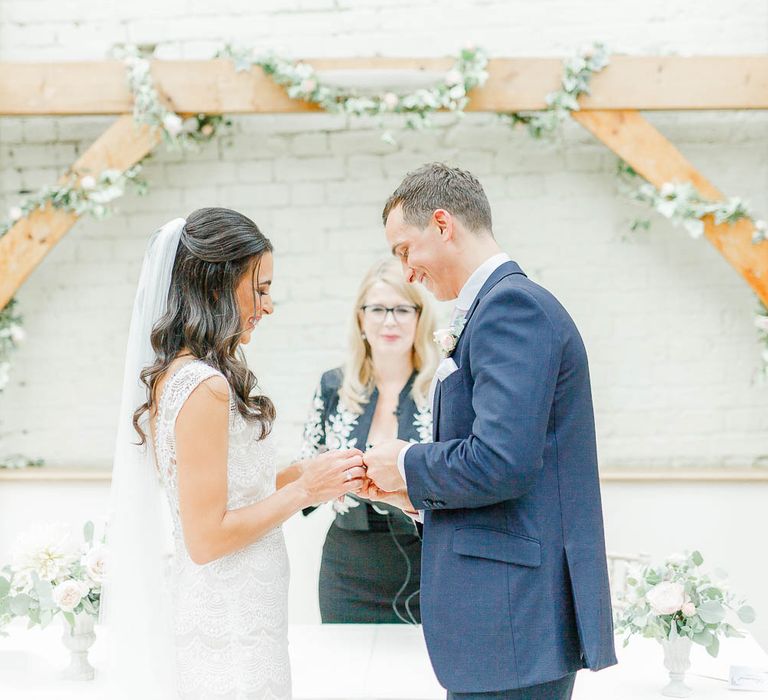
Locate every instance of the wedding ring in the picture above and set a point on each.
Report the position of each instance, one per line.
(347, 476)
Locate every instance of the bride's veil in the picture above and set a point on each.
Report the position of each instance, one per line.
(135, 605)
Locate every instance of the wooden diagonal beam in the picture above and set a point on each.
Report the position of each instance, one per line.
(30, 240)
(636, 141)
(514, 84)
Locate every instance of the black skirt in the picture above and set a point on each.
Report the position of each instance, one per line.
(370, 576)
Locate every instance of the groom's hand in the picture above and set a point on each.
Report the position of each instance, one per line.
(381, 465)
(398, 499)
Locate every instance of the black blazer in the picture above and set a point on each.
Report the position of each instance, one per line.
(331, 426)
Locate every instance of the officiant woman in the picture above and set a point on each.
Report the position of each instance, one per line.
(371, 555)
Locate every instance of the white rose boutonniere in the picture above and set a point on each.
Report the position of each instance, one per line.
(447, 338)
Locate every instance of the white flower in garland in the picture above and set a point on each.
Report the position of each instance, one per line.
(89, 195)
(302, 82)
(148, 109)
(681, 203)
(577, 74)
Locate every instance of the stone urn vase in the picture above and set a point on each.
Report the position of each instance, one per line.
(79, 638)
(677, 660)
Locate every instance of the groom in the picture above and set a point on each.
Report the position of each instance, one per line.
(514, 584)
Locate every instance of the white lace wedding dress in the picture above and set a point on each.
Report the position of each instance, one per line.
(231, 615)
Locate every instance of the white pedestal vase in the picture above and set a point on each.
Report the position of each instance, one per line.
(677, 659)
(78, 639)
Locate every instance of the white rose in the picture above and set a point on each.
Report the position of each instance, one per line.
(68, 595)
(172, 124)
(762, 323)
(689, 609)
(15, 213)
(761, 225)
(667, 189)
(18, 334)
(445, 339)
(22, 582)
(95, 563)
(390, 100)
(47, 549)
(308, 85)
(453, 77)
(88, 182)
(666, 598)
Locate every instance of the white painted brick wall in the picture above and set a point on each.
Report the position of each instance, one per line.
(667, 322)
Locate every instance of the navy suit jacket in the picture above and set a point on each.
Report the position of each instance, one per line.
(514, 582)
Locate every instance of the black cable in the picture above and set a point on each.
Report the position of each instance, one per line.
(409, 570)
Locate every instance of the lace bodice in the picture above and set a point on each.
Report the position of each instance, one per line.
(230, 615)
(250, 461)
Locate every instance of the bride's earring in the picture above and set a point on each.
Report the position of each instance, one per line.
(363, 336)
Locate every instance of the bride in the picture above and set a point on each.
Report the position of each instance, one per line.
(212, 623)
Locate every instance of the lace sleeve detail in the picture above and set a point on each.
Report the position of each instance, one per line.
(314, 428)
(182, 384)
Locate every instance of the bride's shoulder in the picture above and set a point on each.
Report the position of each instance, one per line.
(184, 377)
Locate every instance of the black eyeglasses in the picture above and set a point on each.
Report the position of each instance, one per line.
(401, 313)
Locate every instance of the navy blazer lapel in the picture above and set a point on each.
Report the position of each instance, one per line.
(502, 271)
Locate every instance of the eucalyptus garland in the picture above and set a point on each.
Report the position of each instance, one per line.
(682, 204)
(302, 82)
(11, 336)
(761, 322)
(178, 133)
(81, 195)
(93, 194)
(577, 74)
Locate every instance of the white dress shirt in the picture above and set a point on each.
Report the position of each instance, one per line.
(464, 302)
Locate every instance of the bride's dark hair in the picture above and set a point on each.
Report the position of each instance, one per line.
(217, 247)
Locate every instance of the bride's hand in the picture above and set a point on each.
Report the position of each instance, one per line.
(331, 474)
(399, 499)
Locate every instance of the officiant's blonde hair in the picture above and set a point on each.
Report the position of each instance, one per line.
(358, 383)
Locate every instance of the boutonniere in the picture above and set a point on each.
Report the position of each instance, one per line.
(447, 338)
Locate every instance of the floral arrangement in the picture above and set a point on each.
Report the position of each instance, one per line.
(677, 599)
(302, 82)
(51, 574)
(577, 74)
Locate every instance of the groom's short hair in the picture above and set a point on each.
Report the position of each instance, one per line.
(438, 186)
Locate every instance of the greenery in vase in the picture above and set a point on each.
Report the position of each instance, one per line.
(678, 599)
(51, 574)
